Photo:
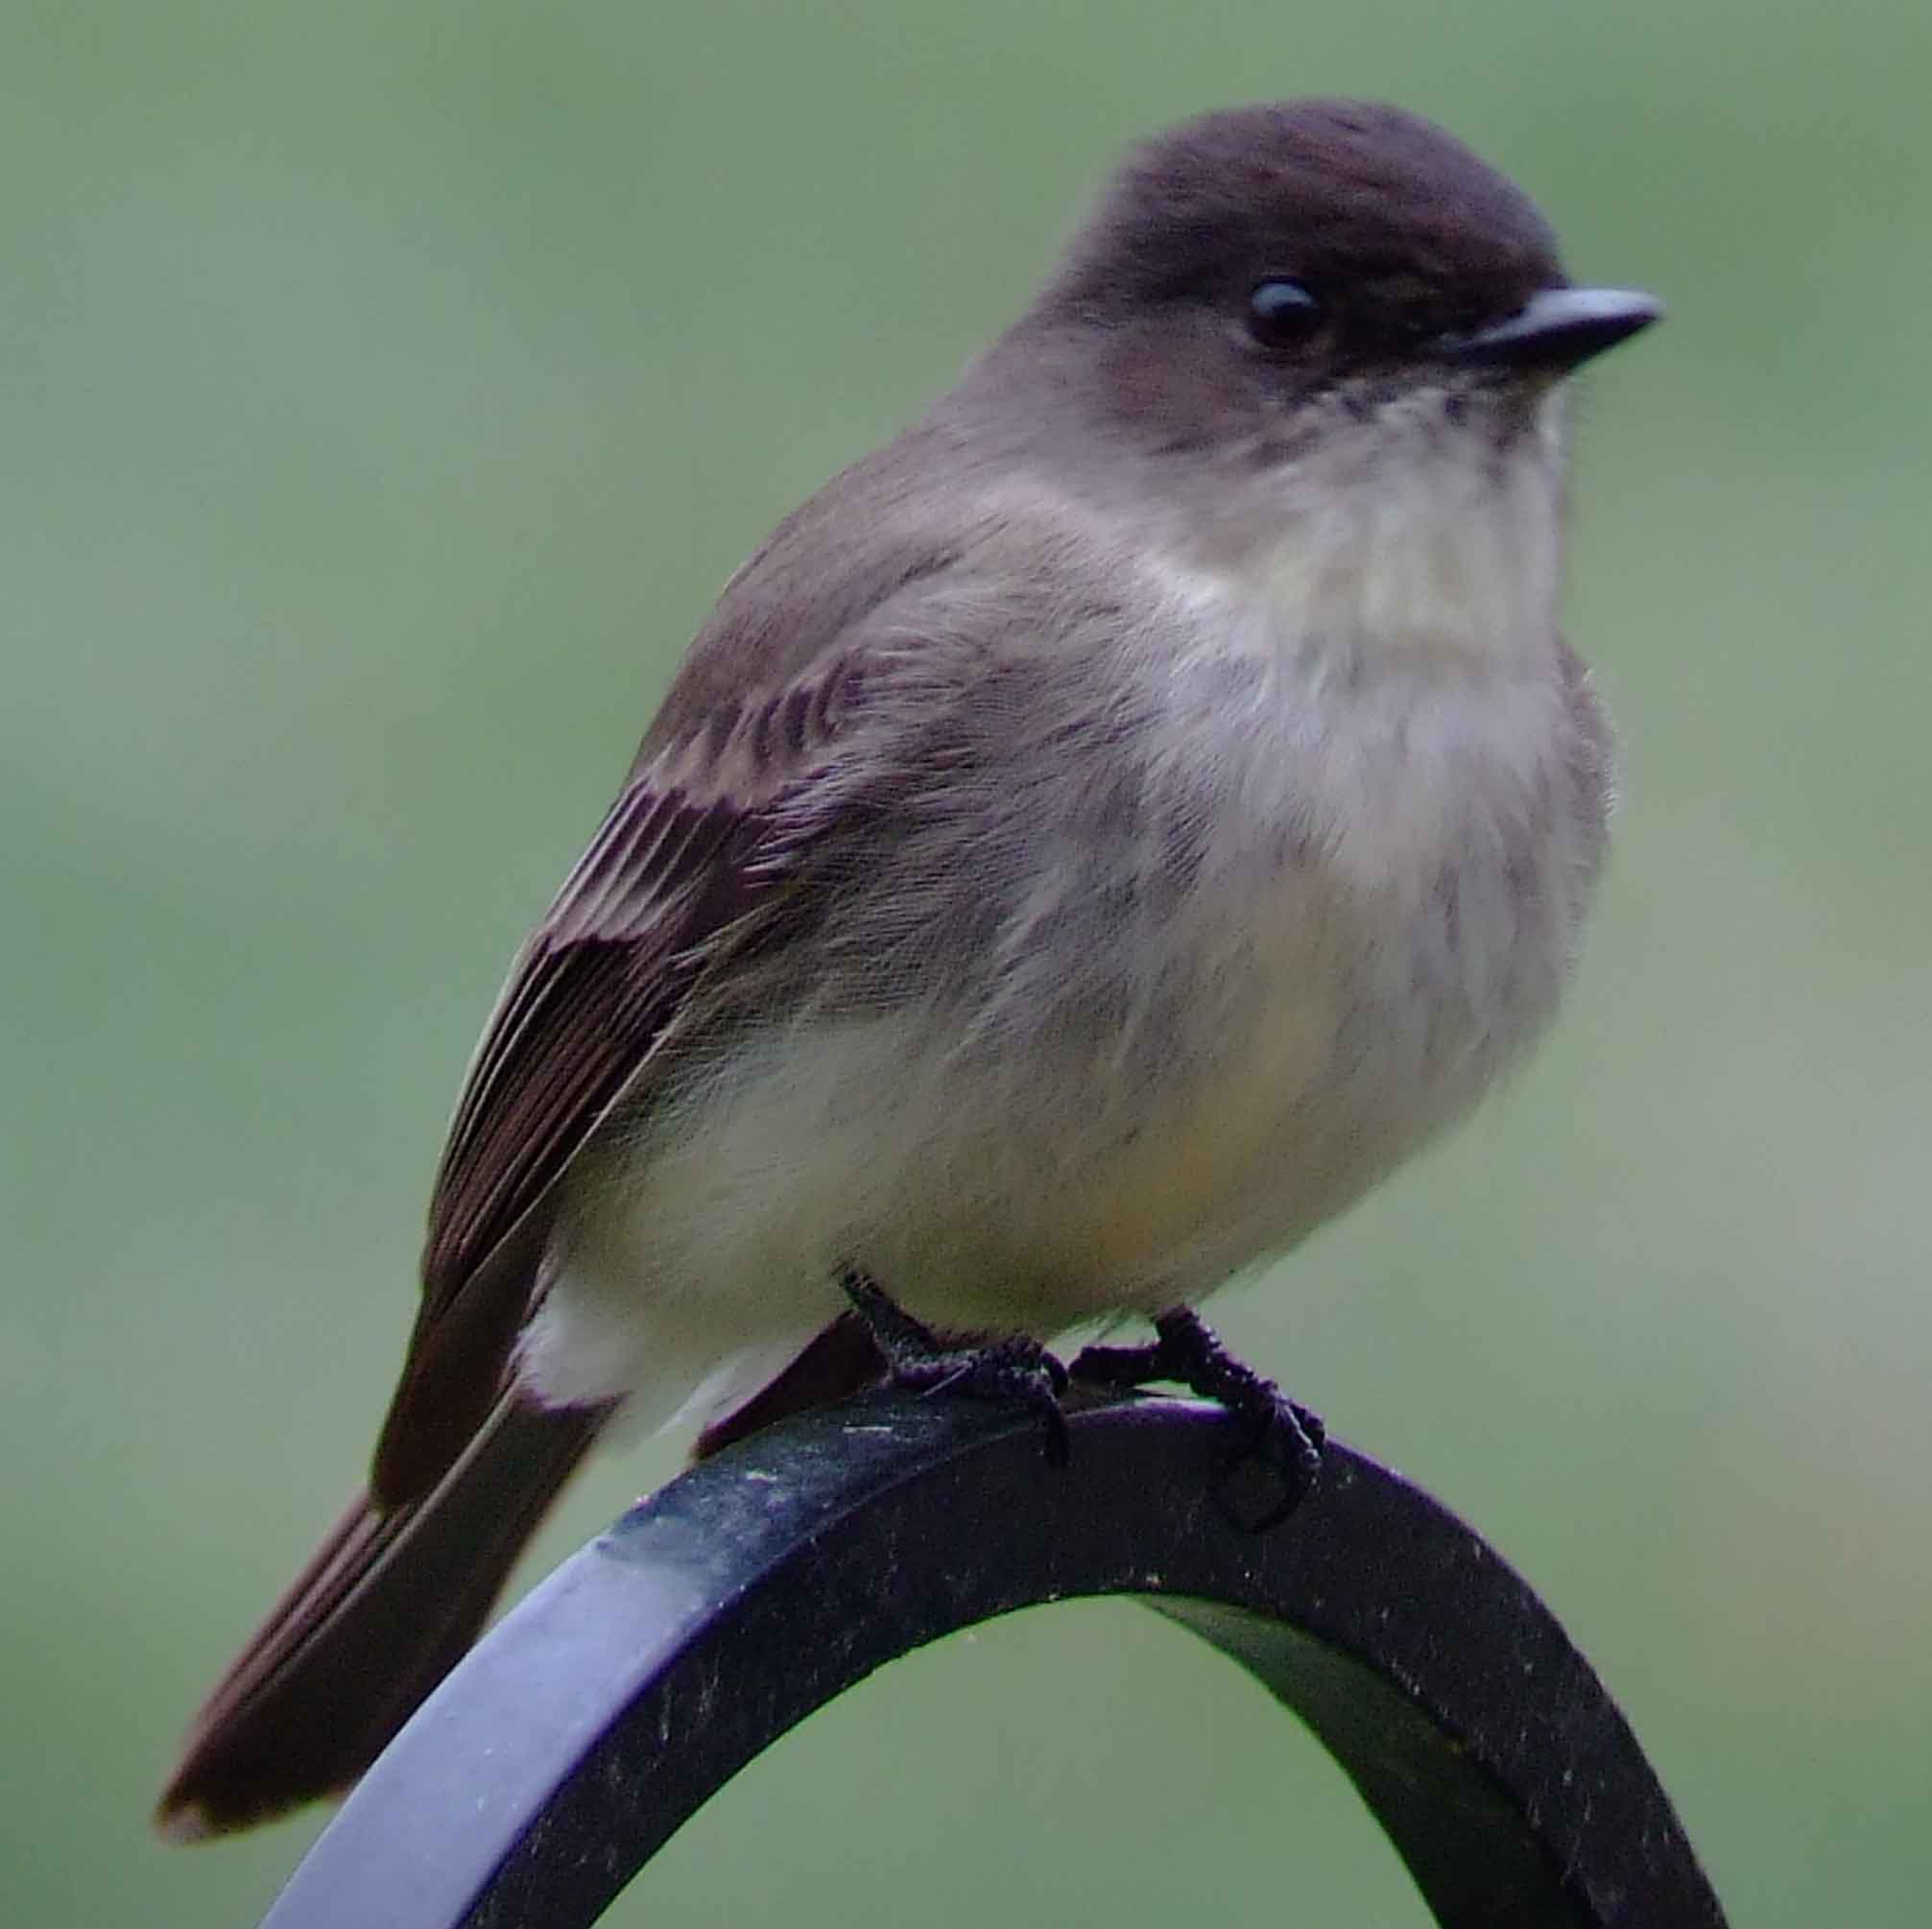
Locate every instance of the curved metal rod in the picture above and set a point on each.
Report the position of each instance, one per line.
(652, 1664)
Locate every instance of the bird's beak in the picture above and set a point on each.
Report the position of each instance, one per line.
(1556, 330)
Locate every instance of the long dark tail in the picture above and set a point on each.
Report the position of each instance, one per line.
(392, 1598)
(384, 1611)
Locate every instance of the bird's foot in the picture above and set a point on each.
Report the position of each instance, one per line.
(1275, 1439)
(1015, 1372)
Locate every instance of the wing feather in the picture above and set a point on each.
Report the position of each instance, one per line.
(684, 863)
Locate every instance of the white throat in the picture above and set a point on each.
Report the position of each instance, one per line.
(1411, 540)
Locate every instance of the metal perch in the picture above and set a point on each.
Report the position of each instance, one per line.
(656, 1662)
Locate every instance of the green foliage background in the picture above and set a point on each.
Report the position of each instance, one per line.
(387, 389)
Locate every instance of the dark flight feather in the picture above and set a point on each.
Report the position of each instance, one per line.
(302, 1713)
(686, 860)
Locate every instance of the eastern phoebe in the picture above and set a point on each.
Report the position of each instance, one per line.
(1092, 840)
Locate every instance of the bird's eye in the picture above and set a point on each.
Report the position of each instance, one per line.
(1282, 314)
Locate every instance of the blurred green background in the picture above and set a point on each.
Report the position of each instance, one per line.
(387, 390)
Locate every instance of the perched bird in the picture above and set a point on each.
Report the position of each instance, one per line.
(1092, 840)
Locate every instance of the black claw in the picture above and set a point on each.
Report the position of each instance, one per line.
(1272, 1468)
(1277, 1454)
(1014, 1371)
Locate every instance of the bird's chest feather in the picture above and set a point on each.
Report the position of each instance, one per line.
(1437, 870)
(1411, 773)
(1388, 874)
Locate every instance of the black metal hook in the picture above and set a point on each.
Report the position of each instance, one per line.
(655, 1663)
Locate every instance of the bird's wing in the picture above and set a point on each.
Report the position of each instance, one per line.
(689, 862)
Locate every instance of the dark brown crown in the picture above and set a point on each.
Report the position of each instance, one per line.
(1379, 212)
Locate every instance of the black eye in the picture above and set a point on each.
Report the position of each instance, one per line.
(1282, 314)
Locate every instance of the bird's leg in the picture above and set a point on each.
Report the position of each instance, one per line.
(1015, 1372)
(1275, 1433)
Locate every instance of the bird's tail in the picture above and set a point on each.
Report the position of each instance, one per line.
(384, 1611)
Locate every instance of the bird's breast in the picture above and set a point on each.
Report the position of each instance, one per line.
(1386, 891)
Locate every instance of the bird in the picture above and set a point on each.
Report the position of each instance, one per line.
(1092, 841)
